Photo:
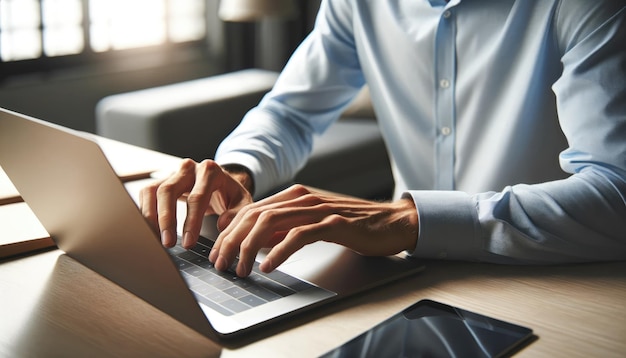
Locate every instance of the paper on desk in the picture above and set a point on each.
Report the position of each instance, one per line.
(8, 193)
(21, 231)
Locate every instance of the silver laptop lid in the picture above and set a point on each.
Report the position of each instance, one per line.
(69, 184)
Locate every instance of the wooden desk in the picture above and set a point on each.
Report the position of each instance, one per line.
(50, 305)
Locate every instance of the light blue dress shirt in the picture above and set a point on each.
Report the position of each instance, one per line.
(505, 119)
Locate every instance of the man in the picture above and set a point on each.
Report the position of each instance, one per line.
(471, 98)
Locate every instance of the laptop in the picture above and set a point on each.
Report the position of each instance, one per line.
(69, 184)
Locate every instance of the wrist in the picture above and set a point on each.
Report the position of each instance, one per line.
(241, 174)
(410, 219)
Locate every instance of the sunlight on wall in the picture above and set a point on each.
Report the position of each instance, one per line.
(20, 37)
(122, 24)
(62, 30)
(31, 28)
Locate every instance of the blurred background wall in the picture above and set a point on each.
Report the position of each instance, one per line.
(58, 58)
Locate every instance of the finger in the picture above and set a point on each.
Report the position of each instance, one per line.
(295, 200)
(167, 195)
(283, 198)
(148, 204)
(231, 250)
(224, 220)
(298, 237)
(255, 231)
(278, 199)
(226, 247)
(201, 200)
(264, 231)
(227, 202)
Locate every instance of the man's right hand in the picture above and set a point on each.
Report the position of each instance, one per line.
(208, 188)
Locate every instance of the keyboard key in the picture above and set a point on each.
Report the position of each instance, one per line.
(201, 261)
(217, 296)
(195, 271)
(263, 293)
(235, 292)
(191, 280)
(187, 255)
(206, 242)
(287, 280)
(205, 264)
(214, 306)
(224, 291)
(175, 250)
(243, 283)
(228, 275)
(235, 305)
(271, 285)
(252, 300)
(181, 264)
(215, 281)
(203, 289)
(201, 250)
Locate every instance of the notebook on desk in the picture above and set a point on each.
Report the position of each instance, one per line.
(67, 181)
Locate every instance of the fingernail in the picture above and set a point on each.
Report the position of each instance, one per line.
(221, 264)
(187, 239)
(266, 266)
(213, 255)
(242, 270)
(167, 238)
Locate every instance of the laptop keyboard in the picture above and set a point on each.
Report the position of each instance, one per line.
(226, 292)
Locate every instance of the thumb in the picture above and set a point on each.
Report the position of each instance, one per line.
(225, 219)
(217, 204)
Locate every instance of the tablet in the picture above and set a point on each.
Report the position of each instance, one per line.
(433, 329)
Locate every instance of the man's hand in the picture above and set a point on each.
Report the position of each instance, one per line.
(209, 189)
(298, 216)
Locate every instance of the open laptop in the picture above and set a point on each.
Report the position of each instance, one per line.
(67, 181)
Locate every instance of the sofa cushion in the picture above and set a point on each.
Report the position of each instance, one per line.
(190, 119)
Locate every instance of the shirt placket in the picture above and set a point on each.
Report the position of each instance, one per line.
(445, 70)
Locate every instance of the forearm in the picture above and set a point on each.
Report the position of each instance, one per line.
(578, 219)
(323, 75)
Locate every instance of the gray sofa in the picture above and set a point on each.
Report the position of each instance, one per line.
(189, 119)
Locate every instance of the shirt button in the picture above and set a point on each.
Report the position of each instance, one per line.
(447, 14)
(444, 83)
(446, 131)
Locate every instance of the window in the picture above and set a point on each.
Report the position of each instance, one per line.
(19, 30)
(122, 24)
(40, 29)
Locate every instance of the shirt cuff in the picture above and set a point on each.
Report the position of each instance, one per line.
(261, 184)
(448, 225)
